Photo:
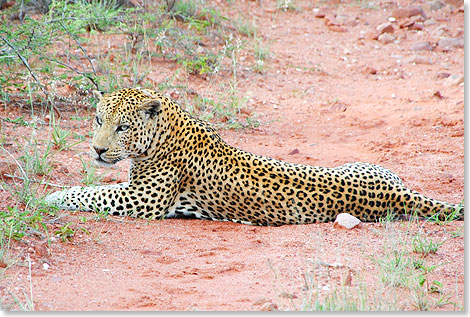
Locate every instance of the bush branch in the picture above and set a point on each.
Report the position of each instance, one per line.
(25, 63)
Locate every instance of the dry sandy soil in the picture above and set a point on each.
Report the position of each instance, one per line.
(330, 94)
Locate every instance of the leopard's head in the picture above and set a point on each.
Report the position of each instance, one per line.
(124, 125)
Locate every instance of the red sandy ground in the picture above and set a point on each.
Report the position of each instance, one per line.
(318, 104)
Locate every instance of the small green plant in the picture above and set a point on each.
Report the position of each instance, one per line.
(59, 137)
(404, 264)
(424, 287)
(6, 258)
(34, 163)
(245, 26)
(457, 233)
(29, 304)
(433, 286)
(19, 121)
(389, 217)
(89, 173)
(201, 65)
(261, 53)
(182, 9)
(78, 136)
(34, 160)
(443, 218)
(16, 224)
(285, 5)
(424, 246)
(65, 233)
(100, 214)
(394, 268)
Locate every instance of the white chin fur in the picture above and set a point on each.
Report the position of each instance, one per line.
(100, 162)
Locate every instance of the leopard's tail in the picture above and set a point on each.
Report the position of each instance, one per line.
(413, 203)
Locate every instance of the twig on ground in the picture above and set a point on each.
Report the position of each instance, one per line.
(33, 180)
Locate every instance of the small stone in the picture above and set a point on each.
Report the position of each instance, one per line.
(441, 31)
(371, 35)
(386, 38)
(386, 27)
(442, 75)
(338, 107)
(287, 295)
(41, 249)
(406, 23)
(454, 80)
(402, 13)
(322, 12)
(346, 20)
(333, 25)
(337, 28)
(45, 266)
(418, 59)
(447, 176)
(459, 33)
(437, 94)
(294, 151)
(430, 21)
(417, 26)
(347, 280)
(261, 301)
(418, 18)
(369, 70)
(330, 20)
(7, 167)
(269, 307)
(455, 3)
(447, 44)
(346, 221)
(436, 5)
(421, 46)
(325, 288)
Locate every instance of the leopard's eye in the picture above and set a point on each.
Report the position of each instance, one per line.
(122, 128)
(99, 121)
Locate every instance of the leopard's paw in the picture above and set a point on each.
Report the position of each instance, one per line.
(63, 199)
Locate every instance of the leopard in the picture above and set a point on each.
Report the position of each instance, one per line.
(181, 167)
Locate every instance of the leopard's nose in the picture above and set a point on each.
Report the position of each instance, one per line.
(100, 150)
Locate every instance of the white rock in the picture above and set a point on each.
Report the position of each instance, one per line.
(346, 221)
(449, 43)
(418, 59)
(453, 80)
(386, 38)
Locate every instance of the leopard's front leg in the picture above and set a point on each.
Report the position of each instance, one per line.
(93, 198)
(120, 200)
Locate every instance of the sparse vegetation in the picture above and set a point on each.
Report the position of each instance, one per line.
(285, 5)
(90, 175)
(404, 276)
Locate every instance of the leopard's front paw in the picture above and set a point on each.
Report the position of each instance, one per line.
(62, 199)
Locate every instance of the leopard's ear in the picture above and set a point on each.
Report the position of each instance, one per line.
(151, 108)
(98, 94)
